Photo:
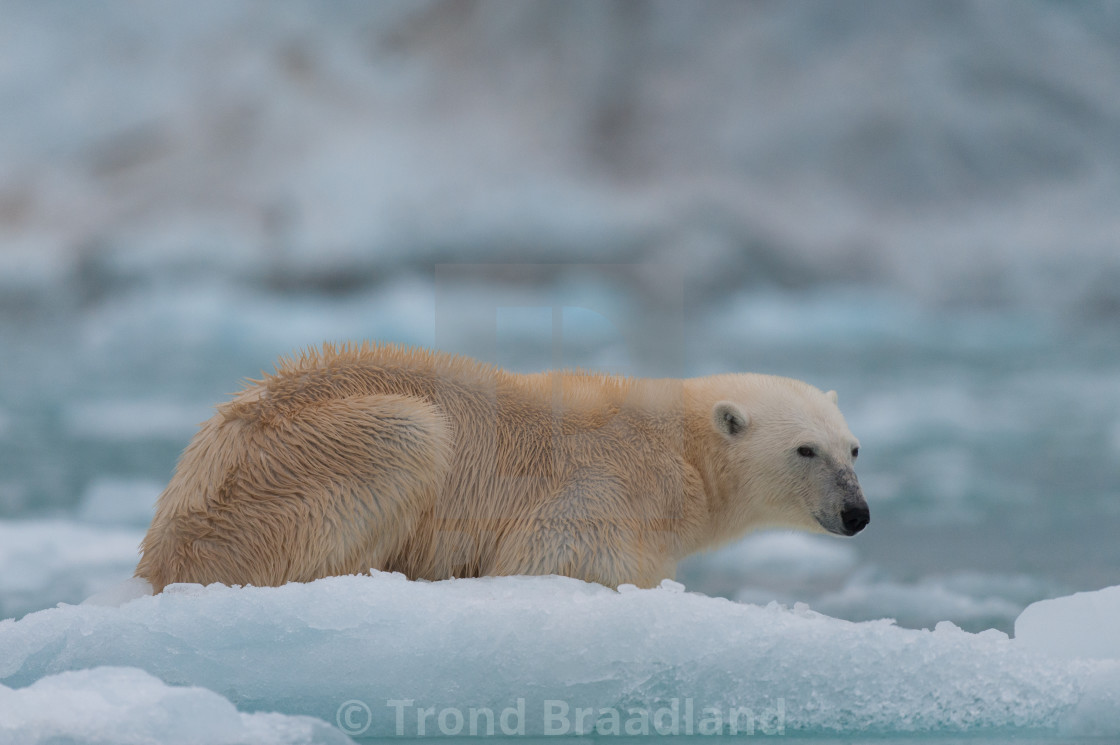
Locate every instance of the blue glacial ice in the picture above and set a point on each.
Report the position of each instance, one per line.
(540, 646)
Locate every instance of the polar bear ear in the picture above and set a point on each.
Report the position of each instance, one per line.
(833, 397)
(729, 420)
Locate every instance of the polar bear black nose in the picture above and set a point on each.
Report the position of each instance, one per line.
(855, 519)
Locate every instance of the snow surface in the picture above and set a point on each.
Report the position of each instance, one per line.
(1085, 625)
(122, 706)
(1084, 628)
(311, 649)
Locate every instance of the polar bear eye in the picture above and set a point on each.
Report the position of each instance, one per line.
(855, 452)
(806, 452)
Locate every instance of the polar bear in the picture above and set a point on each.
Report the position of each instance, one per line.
(383, 457)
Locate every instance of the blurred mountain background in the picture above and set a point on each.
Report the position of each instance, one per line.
(965, 150)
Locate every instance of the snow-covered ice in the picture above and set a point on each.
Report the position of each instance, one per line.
(1083, 628)
(126, 706)
(1085, 625)
(501, 643)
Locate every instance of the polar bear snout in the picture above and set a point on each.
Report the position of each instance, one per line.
(845, 510)
(852, 517)
(854, 513)
(855, 517)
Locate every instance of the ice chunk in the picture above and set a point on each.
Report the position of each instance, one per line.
(1084, 625)
(919, 604)
(1085, 628)
(125, 705)
(826, 572)
(43, 562)
(515, 644)
(117, 595)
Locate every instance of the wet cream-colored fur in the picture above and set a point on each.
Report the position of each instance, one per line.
(384, 457)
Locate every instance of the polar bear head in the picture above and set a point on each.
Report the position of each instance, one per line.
(787, 457)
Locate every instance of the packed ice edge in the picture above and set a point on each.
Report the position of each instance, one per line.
(543, 648)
